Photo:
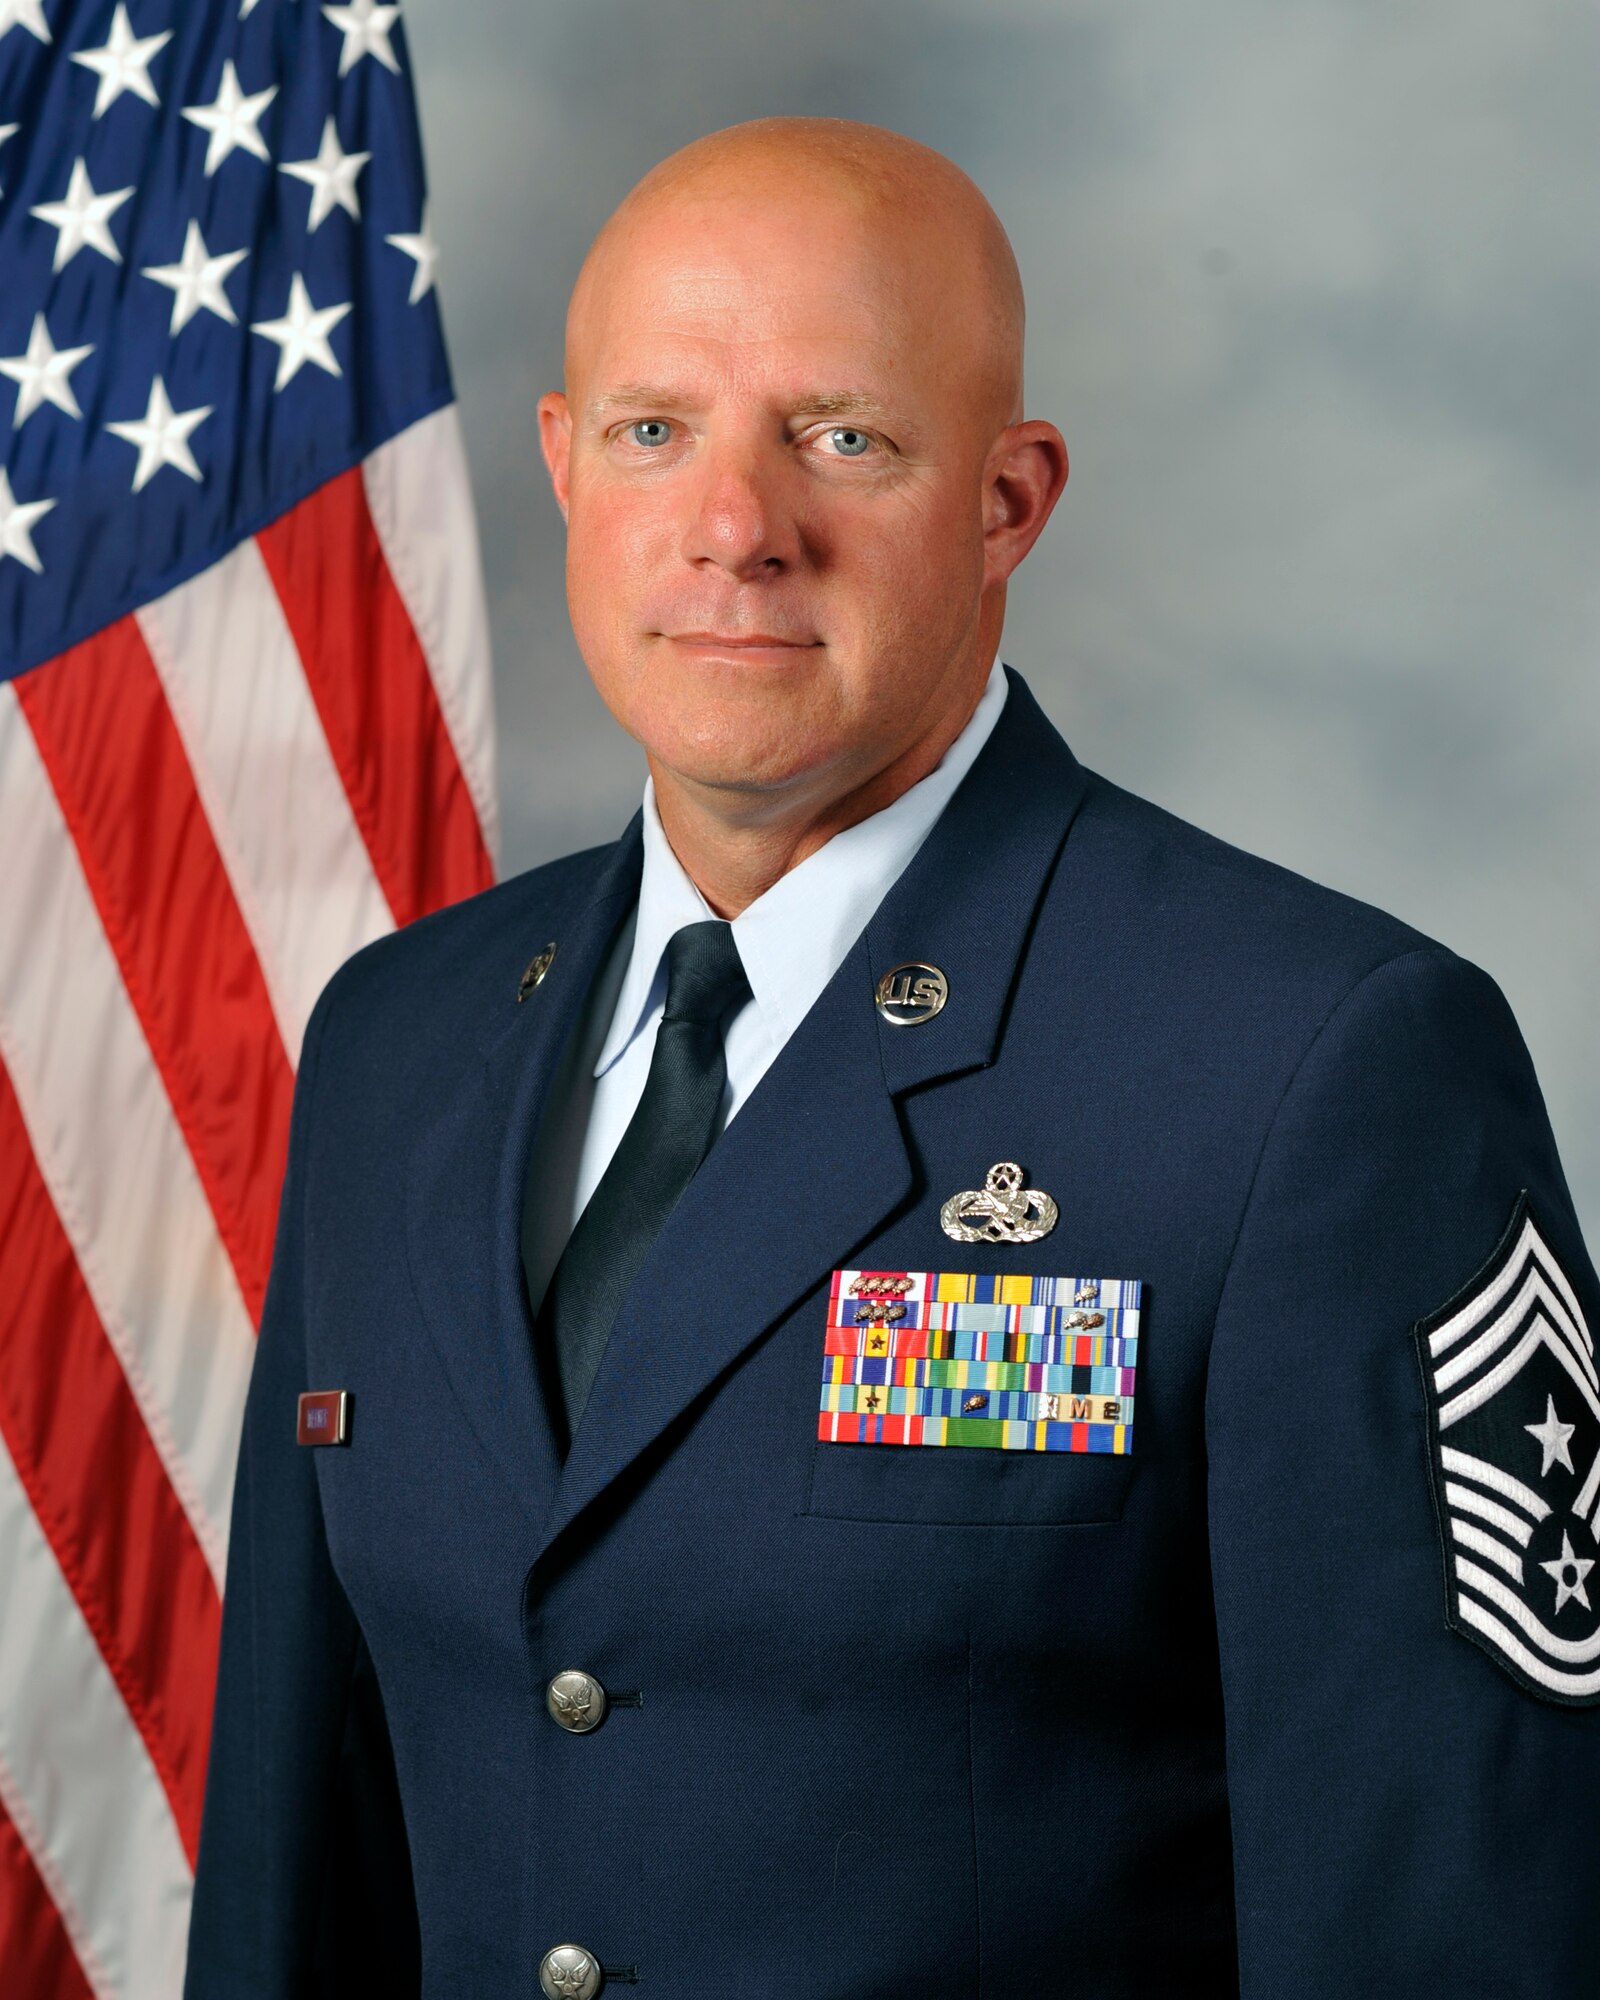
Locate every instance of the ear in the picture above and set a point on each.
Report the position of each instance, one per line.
(555, 441)
(1023, 479)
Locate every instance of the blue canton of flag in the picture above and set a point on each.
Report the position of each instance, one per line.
(216, 287)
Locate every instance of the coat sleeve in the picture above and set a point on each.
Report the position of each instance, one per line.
(303, 1871)
(1408, 1817)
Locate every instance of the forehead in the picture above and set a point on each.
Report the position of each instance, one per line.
(749, 291)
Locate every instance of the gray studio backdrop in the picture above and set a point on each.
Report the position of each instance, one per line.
(1312, 292)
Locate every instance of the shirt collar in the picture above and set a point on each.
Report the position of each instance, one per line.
(793, 937)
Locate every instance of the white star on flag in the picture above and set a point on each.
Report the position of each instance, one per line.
(331, 177)
(41, 374)
(16, 523)
(27, 14)
(6, 132)
(197, 280)
(426, 252)
(1552, 1435)
(366, 28)
(302, 334)
(123, 63)
(1558, 1569)
(231, 120)
(80, 217)
(162, 436)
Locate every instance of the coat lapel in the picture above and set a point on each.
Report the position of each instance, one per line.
(815, 1161)
(465, 1180)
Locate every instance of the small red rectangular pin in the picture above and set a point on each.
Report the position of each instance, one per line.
(324, 1417)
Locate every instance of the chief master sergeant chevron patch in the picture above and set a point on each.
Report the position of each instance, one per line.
(1508, 1371)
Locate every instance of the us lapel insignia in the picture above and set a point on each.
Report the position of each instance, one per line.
(911, 993)
(1001, 1211)
(1513, 1413)
(972, 1358)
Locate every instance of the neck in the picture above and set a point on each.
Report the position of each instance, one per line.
(734, 845)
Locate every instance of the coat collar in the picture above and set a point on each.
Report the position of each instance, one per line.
(794, 936)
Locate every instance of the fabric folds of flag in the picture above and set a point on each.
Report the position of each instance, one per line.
(245, 727)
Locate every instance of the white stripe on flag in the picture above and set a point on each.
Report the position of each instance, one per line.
(277, 806)
(420, 498)
(111, 1152)
(77, 1779)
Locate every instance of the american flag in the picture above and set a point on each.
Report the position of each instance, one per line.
(245, 727)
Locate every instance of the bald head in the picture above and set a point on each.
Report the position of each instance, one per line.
(901, 200)
(796, 477)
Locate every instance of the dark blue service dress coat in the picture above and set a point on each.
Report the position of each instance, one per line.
(1239, 1709)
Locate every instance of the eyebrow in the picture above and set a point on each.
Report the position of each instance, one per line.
(811, 403)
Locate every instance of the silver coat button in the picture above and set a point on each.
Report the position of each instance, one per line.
(577, 1701)
(569, 1973)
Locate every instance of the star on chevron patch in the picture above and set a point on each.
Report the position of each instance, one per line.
(1513, 1400)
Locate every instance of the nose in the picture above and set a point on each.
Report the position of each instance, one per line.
(741, 519)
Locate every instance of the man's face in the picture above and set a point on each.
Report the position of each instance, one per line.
(777, 435)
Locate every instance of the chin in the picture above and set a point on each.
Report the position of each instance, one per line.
(735, 738)
(737, 766)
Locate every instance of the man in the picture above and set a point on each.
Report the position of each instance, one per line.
(663, 1227)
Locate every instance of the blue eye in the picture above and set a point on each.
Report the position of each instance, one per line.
(650, 431)
(850, 444)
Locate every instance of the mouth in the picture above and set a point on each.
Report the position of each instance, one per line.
(763, 647)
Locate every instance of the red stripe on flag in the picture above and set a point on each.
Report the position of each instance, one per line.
(369, 678)
(35, 1951)
(98, 1486)
(107, 739)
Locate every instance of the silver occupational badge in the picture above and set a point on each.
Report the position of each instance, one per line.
(1001, 1211)
(1513, 1398)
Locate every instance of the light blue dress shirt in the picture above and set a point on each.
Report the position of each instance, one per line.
(791, 939)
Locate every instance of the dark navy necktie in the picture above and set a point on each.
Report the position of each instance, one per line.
(667, 1138)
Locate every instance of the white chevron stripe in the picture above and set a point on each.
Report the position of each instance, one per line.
(134, 1212)
(1493, 1380)
(277, 806)
(1529, 1244)
(1537, 1669)
(1487, 1545)
(420, 499)
(1587, 1493)
(1468, 1502)
(77, 1780)
(1579, 1652)
(1465, 1466)
(1534, 1291)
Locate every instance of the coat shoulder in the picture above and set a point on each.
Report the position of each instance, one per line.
(446, 973)
(1218, 918)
